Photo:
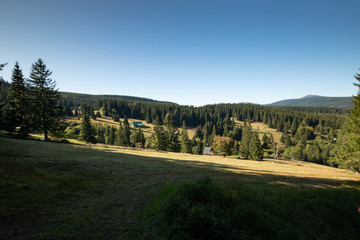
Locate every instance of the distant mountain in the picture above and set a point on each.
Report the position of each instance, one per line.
(317, 101)
(92, 99)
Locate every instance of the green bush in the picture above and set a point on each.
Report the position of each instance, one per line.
(208, 210)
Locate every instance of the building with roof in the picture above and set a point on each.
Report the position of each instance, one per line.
(138, 124)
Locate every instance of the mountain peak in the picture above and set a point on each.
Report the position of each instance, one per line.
(311, 95)
(317, 101)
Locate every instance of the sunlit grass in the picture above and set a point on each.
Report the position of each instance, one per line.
(78, 191)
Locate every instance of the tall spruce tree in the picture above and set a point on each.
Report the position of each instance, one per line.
(255, 151)
(158, 138)
(347, 151)
(244, 150)
(2, 65)
(137, 138)
(18, 111)
(184, 140)
(172, 133)
(109, 135)
(44, 99)
(119, 136)
(126, 132)
(86, 130)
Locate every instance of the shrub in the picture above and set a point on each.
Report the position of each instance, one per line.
(208, 210)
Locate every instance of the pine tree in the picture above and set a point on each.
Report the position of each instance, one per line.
(137, 138)
(86, 130)
(288, 142)
(172, 134)
(119, 136)
(213, 134)
(185, 142)
(199, 133)
(109, 135)
(141, 138)
(198, 146)
(265, 142)
(19, 103)
(158, 138)
(44, 99)
(245, 141)
(347, 151)
(126, 132)
(255, 151)
(1, 97)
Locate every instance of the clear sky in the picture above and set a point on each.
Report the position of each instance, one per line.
(191, 52)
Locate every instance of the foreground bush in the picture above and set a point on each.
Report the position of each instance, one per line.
(208, 210)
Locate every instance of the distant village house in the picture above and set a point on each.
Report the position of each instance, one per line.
(138, 125)
(207, 151)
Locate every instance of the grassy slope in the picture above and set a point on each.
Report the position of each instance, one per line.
(64, 191)
(262, 128)
(148, 130)
(317, 101)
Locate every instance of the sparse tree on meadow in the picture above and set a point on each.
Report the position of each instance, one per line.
(158, 138)
(18, 111)
(172, 133)
(245, 141)
(185, 142)
(126, 132)
(109, 135)
(1, 97)
(255, 151)
(86, 130)
(137, 138)
(44, 99)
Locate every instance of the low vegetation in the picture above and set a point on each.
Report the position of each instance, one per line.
(71, 191)
(205, 209)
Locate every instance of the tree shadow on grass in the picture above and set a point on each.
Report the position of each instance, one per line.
(176, 169)
(113, 187)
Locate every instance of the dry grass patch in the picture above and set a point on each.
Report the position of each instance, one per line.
(263, 128)
(268, 167)
(148, 130)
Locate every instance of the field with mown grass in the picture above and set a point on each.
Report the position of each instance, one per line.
(76, 191)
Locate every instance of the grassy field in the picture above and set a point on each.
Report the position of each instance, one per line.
(148, 130)
(73, 191)
(262, 128)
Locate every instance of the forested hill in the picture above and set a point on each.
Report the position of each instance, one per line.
(317, 101)
(90, 99)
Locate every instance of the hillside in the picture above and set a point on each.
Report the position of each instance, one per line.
(317, 101)
(91, 99)
(65, 191)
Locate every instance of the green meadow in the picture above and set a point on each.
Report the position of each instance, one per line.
(73, 191)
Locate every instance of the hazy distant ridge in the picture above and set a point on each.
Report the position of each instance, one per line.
(92, 98)
(317, 101)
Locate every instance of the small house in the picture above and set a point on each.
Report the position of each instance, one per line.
(137, 125)
(207, 151)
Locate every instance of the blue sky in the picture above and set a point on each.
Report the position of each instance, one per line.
(188, 52)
